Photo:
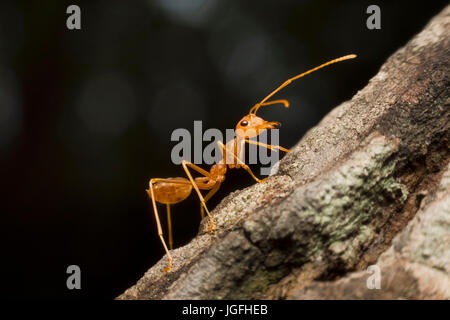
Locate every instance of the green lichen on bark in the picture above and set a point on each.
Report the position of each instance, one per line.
(333, 216)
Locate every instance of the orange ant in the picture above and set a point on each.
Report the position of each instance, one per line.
(173, 190)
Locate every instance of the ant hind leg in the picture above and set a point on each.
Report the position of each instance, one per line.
(169, 226)
(158, 224)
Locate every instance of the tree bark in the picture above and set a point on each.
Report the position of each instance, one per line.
(370, 184)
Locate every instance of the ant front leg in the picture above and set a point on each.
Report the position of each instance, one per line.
(185, 165)
(246, 167)
(268, 146)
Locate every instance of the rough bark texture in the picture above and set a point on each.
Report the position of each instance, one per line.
(373, 169)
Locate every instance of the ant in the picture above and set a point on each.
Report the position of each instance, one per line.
(173, 190)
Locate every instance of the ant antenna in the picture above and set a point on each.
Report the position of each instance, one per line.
(287, 82)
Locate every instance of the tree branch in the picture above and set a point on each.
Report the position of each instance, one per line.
(339, 198)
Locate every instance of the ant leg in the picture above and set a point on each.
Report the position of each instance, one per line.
(240, 162)
(170, 181)
(202, 180)
(185, 165)
(169, 226)
(158, 224)
(208, 196)
(267, 145)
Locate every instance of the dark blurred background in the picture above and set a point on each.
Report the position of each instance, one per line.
(86, 116)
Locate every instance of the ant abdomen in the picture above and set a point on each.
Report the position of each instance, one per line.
(171, 193)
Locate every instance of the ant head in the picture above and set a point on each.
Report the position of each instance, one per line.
(251, 126)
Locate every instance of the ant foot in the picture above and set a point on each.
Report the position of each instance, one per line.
(168, 268)
(211, 227)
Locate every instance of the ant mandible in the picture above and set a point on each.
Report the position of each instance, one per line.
(173, 190)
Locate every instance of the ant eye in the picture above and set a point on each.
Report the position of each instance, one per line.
(244, 123)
